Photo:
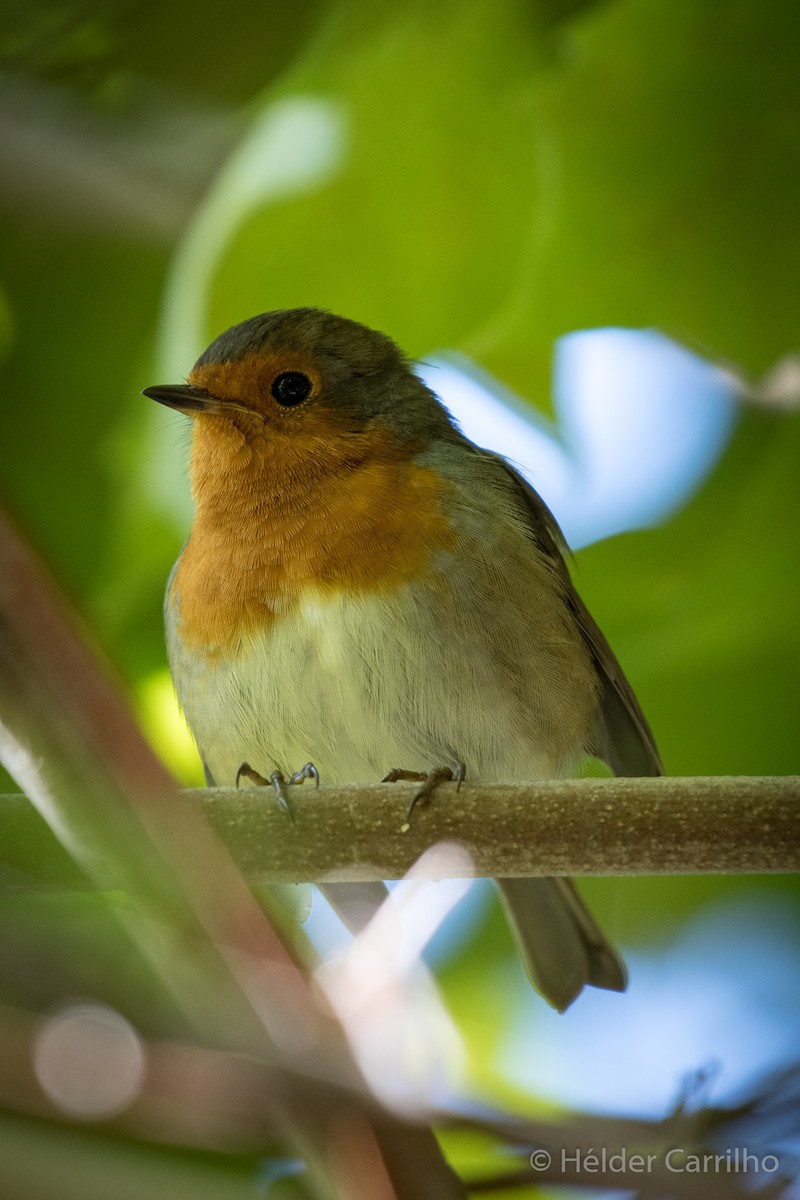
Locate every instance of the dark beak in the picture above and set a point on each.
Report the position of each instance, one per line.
(183, 396)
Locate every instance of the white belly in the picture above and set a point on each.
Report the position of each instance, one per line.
(422, 679)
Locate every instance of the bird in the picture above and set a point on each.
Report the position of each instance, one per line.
(366, 590)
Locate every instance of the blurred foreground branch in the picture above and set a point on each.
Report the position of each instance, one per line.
(560, 827)
(229, 1104)
(66, 736)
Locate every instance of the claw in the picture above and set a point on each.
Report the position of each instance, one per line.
(279, 782)
(309, 771)
(246, 772)
(429, 782)
(398, 775)
(428, 787)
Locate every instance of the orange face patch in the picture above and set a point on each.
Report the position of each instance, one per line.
(248, 380)
(280, 513)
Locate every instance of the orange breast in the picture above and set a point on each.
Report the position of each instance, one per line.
(276, 519)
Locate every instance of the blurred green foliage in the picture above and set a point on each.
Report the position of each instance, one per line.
(488, 177)
(479, 175)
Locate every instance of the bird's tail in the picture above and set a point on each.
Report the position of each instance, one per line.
(355, 903)
(562, 947)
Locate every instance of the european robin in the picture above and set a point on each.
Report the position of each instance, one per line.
(364, 587)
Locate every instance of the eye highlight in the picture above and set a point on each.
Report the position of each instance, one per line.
(290, 388)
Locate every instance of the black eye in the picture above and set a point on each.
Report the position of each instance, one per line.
(291, 388)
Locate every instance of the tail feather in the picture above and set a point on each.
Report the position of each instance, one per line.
(355, 903)
(562, 948)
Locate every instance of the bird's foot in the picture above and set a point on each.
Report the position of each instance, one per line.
(279, 782)
(429, 782)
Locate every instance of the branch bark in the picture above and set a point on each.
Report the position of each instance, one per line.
(663, 826)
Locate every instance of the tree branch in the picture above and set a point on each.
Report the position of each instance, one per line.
(561, 827)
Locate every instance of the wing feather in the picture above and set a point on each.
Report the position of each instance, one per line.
(624, 740)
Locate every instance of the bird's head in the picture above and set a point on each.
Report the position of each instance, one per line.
(304, 374)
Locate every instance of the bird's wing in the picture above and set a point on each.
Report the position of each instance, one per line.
(625, 741)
